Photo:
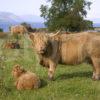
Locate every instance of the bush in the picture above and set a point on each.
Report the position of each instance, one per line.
(1, 30)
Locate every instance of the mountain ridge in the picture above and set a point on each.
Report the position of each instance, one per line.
(12, 18)
(8, 19)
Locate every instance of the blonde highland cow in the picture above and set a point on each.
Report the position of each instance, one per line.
(25, 79)
(67, 49)
(18, 30)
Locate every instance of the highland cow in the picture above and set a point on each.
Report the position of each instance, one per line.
(18, 30)
(25, 79)
(67, 49)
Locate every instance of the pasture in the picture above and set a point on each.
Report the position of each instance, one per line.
(71, 82)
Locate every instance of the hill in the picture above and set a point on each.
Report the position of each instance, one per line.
(7, 19)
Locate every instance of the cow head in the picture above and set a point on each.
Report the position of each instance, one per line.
(40, 42)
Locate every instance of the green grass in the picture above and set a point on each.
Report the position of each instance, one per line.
(71, 82)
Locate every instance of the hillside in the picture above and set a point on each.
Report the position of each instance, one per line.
(7, 19)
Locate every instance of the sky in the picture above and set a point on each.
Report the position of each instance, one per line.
(21, 7)
(24, 7)
(95, 9)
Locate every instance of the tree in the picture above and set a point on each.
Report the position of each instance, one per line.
(25, 24)
(28, 27)
(66, 14)
(1, 30)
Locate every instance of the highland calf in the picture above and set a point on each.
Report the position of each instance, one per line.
(25, 79)
(67, 49)
(11, 45)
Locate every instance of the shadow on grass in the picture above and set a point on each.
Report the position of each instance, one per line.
(5, 91)
(43, 83)
(75, 74)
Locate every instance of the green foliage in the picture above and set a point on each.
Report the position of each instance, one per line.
(1, 30)
(28, 27)
(42, 30)
(66, 14)
(25, 24)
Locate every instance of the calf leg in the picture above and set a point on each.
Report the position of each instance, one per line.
(96, 68)
(19, 85)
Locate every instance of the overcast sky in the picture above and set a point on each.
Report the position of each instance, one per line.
(24, 7)
(95, 9)
(21, 7)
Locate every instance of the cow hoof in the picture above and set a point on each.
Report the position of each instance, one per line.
(96, 78)
(93, 79)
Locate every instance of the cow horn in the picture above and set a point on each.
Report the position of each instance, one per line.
(52, 34)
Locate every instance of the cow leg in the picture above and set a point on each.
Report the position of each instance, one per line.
(51, 71)
(94, 71)
(93, 76)
(96, 68)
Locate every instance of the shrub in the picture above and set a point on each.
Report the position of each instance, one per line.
(1, 30)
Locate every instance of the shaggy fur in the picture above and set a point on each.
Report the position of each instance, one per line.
(11, 45)
(67, 49)
(18, 29)
(25, 79)
(8, 45)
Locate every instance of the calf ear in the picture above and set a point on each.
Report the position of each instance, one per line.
(31, 36)
(23, 70)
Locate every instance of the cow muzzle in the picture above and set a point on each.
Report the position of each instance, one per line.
(42, 51)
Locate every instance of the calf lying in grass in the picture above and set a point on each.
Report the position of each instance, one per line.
(25, 79)
(11, 45)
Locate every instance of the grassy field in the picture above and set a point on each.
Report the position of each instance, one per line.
(71, 82)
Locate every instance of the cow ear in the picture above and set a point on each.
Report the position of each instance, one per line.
(31, 36)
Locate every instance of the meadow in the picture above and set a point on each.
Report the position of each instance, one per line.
(71, 82)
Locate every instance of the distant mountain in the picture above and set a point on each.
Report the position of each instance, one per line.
(7, 19)
(96, 21)
(96, 24)
(5, 27)
(31, 18)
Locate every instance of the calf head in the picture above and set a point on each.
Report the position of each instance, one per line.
(17, 71)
